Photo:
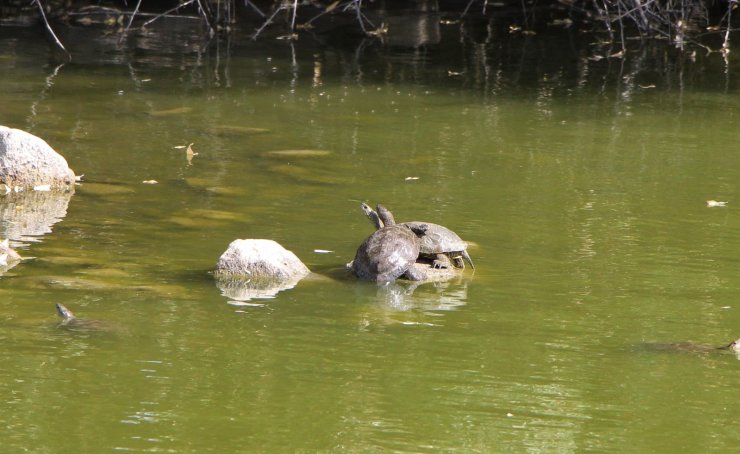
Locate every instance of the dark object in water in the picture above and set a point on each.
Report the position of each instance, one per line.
(388, 253)
(692, 347)
(71, 322)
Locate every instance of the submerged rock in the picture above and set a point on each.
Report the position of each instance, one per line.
(264, 259)
(27, 161)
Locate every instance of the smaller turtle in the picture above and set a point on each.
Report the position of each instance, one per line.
(389, 252)
(692, 347)
(439, 244)
(71, 322)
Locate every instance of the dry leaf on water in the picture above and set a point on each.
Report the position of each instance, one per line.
(189, 153)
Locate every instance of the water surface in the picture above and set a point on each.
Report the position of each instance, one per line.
(581, 185)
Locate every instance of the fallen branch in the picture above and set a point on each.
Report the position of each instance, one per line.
(131, 19)
(166, 13)
(51, 32)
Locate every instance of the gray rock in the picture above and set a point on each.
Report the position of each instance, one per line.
(27, 161)
(264, 259)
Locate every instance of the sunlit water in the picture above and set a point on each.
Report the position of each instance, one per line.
(582, 192)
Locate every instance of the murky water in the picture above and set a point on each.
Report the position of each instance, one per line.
(581, 185)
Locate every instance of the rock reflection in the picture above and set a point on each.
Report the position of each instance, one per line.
(245, 289)
(25, 216)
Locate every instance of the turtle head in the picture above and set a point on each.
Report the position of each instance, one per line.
(372, 215)
(734, 346)
(63, 312)
(385, 215)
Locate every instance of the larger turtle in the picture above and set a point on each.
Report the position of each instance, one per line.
(389, 252)
(439, 244)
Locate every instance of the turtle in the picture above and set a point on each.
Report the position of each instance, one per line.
(439, 244)
(691, 347)
(71, 322)
(389, 252)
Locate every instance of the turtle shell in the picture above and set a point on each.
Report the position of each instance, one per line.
(438, 239)
(386, 254)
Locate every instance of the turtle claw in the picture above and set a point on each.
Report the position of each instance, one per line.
(439, 265)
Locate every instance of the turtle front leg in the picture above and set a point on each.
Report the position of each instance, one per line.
(415, 274)
(441, 262)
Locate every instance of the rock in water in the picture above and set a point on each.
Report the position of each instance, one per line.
(27, 161)
(261, 259)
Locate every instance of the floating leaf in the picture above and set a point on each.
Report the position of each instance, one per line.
(189, 153)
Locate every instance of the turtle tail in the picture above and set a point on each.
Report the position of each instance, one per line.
(466, 256)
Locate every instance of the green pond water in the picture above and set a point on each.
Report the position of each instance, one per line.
(581, 185)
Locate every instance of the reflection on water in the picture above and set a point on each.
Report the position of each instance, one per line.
(27, 216)
(583, 181)
(245, 289)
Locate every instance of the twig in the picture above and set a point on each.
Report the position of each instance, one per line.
(726, 42)
(181, 5)
(267, 22)
(295, 11)
(467, 7)
(327, 10)
(131, 19)
(357, 4)
(48, 27)
(254, 7)
(206, 14)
